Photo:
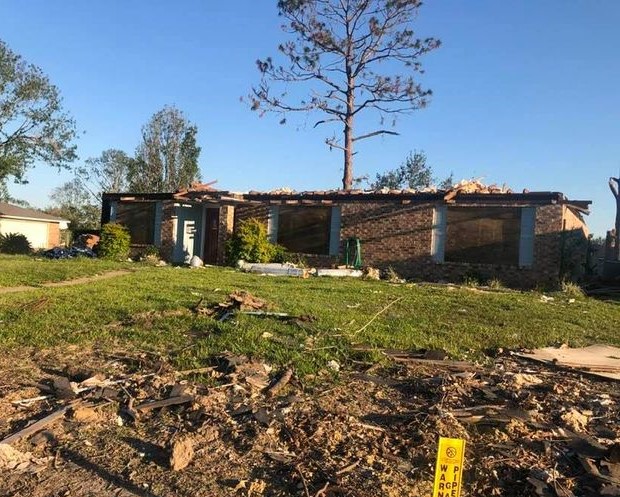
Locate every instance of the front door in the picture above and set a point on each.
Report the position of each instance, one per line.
(189, 234)
(212, 229)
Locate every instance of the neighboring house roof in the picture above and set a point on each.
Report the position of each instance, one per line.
(16, 212)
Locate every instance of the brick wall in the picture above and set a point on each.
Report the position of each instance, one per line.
(543, 273)
(248, 211)
(392, 235)
(399, 235)
(574, 245)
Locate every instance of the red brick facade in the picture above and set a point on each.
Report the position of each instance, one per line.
(397, 232)
(399, 235)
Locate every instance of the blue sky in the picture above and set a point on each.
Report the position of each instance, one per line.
(525, 92)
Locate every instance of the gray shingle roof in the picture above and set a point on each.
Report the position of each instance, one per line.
(11, 210)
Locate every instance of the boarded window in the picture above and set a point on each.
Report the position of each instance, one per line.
(486, 235)
(139, 218)
(304, 229)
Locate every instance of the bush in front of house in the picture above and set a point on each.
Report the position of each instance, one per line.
(251, 243)
(283, 256)
(15, 244)
(150, 254)
(115, 242)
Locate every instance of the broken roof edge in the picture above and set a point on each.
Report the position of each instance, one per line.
(227, 196)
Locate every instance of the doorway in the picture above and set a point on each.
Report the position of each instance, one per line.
(212, 229)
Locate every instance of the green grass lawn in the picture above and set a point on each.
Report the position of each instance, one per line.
(18, 270)
(131, 311)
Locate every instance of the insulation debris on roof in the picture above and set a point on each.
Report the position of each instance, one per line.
(464, 186)
(469, 189)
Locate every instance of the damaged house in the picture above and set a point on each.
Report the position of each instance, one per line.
(522, 239)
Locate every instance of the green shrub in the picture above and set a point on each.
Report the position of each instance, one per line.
(150, 252)
(14, 243)
(115, 242)
(251, 244)
(495, 284)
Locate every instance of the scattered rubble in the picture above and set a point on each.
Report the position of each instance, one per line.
(239, 426)
(237, 301)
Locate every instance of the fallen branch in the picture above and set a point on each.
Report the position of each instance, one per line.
(348, 468)
(27, 402)
(38, 425)
(156, 404)
(378, 314)
(280, 384)
(303, 481)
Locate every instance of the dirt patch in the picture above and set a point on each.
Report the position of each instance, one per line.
(373, 433)
(75, 281)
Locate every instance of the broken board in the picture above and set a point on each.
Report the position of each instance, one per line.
(598, 360)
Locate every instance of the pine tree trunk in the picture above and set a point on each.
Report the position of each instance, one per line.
(347, 178)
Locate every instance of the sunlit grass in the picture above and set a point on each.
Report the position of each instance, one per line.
(130, 309)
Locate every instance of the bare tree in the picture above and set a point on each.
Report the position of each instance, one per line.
(338, 49)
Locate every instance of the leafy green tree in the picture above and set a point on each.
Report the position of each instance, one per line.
(414, 173)
(167, 158)
(33, 125)
(350, 57)
(74, 203)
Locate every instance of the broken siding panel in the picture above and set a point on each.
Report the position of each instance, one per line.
(526, 242)
(334, 232)
(438, 242)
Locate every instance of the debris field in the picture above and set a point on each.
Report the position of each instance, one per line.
(122, 424)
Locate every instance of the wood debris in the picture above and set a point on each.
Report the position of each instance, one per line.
(237, 301)
(182, 453)
(532, 430)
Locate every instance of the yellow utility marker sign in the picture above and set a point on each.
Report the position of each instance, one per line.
(449, 468)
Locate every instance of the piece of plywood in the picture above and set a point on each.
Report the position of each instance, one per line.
(599, 360)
